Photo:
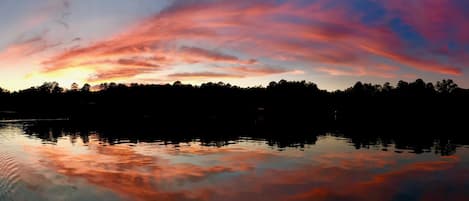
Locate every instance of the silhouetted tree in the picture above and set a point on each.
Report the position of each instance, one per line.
(50, 87)
(446, 86)
(402, 84)
(86, 88)
(177, 83)
(387, 87)
(430, 87)
(74, 87)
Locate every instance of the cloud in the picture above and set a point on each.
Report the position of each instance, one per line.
(133, 62)
(442, 24)
(383, 71)
(203, 75)
(113, 74)
(124, 68)
(195, 54)
(26, 47)
(233, 72)
(426, 65)
(52, 11)
(257, 70)
(242, 33)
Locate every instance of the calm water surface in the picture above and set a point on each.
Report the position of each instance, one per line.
(59, 166)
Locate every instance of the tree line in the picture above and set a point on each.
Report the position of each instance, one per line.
(418, 87)
(283, 104)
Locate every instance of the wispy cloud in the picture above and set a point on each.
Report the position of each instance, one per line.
(203, 75)
(25, 47)
(257, 70)
(376, 71)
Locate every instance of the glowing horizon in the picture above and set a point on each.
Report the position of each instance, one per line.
(247, 43)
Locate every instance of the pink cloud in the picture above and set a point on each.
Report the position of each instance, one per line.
(257, 70)
(442, 23)
(26, 47)
(109, 75)
(205, 32)
(203, 75)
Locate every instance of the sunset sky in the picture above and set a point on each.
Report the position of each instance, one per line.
(333, 43)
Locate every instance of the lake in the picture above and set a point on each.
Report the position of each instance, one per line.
(55, 163)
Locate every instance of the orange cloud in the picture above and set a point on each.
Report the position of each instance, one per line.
(113, 74)
(134, 62)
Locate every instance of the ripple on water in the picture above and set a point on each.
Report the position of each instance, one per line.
(9, 175)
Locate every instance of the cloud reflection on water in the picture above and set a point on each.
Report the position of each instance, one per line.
(249, 171)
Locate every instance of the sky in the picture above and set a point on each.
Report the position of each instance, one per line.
(333, 43)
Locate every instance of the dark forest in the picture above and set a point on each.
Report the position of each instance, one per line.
(283, 104)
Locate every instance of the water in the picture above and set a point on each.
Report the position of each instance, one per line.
(43, 163)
